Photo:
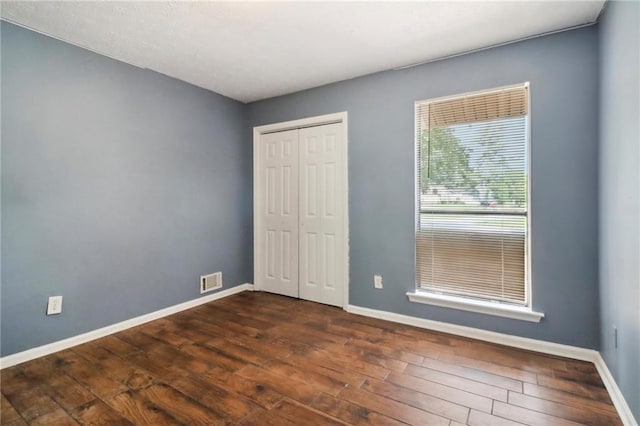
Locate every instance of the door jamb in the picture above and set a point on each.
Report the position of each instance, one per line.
(340, 117)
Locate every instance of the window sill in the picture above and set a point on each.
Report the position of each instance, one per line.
(514, 312)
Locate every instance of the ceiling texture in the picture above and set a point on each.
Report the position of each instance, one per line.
(255, 50)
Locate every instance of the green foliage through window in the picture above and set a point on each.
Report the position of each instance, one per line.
(476, 164)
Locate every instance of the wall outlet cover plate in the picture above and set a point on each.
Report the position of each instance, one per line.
(55, 305)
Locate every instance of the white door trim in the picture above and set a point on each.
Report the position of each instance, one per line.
(340, 117)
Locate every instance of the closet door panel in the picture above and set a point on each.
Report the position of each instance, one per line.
(278, 178)
(322, 226)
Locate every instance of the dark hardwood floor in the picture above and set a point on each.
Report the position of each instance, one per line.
(262, 359)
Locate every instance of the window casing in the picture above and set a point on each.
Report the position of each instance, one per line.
(472, 222)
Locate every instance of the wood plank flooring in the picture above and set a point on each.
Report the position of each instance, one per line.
(262, 359)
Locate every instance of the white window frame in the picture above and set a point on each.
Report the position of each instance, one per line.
(525, 313)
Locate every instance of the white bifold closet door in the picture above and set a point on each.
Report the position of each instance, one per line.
(302, 200)
(279, 204)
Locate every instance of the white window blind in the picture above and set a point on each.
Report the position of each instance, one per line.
(472, 170)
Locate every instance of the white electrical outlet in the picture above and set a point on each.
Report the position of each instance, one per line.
(55, 305)
(377, 281)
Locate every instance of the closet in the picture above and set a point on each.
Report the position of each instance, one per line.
(300, 209)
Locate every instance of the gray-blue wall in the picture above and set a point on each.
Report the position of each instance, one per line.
(120, 187)
(620, 195)
(563, 71)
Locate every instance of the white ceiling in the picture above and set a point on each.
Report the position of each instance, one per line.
(256, 50)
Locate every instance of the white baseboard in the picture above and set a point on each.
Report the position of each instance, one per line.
(50, 348)
(516, 342)
(476, 333)
(614, 392)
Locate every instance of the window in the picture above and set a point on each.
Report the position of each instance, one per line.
(472, 196)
